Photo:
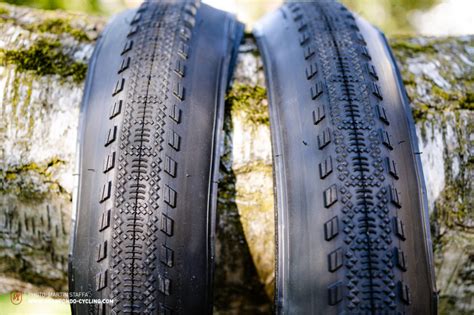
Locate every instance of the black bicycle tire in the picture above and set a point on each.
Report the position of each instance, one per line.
(151, 120)
(352, 227)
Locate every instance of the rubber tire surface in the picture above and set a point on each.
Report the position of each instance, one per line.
(150, 125)
(352, 219)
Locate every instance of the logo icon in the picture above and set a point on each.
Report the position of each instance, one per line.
(16, 297)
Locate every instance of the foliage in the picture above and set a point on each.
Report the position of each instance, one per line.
(392, 16)
(90, 6)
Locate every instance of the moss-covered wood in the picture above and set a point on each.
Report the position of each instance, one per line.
(439, 76)
(43, 57)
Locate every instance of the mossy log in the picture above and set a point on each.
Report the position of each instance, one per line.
(43, 61)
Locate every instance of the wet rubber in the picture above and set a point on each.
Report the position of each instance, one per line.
(352, 219)
(151, 121)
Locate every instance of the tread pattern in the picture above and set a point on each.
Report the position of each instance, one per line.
(136, 255)
(360, 177)
(149, 159)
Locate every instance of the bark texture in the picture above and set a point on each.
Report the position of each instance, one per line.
(43, 60)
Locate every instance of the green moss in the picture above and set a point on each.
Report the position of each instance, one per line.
(52, 25)
(5, 15)
(455, 99)
(446, 101)
(4, 11)
(31, 121)
(31, 181)
(45, 57)
(249, 101)
(409, 79)
(60, 26)
(404, 45)
(420, 112)
(10, 176)
(446, 96)
(454, 206)
(467, 102)
(15, 99)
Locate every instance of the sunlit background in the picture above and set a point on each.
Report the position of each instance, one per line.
(427, 17)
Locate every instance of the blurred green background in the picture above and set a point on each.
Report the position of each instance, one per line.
(429, 17)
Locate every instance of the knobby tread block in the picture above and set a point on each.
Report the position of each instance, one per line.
(345, 196)
(331, 228)
(137, 215)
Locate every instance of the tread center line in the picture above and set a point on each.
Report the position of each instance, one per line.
(140, 155)
(359, 148)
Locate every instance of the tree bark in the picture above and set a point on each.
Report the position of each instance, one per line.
(43, 59)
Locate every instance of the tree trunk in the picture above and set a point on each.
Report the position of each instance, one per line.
(44, 58)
